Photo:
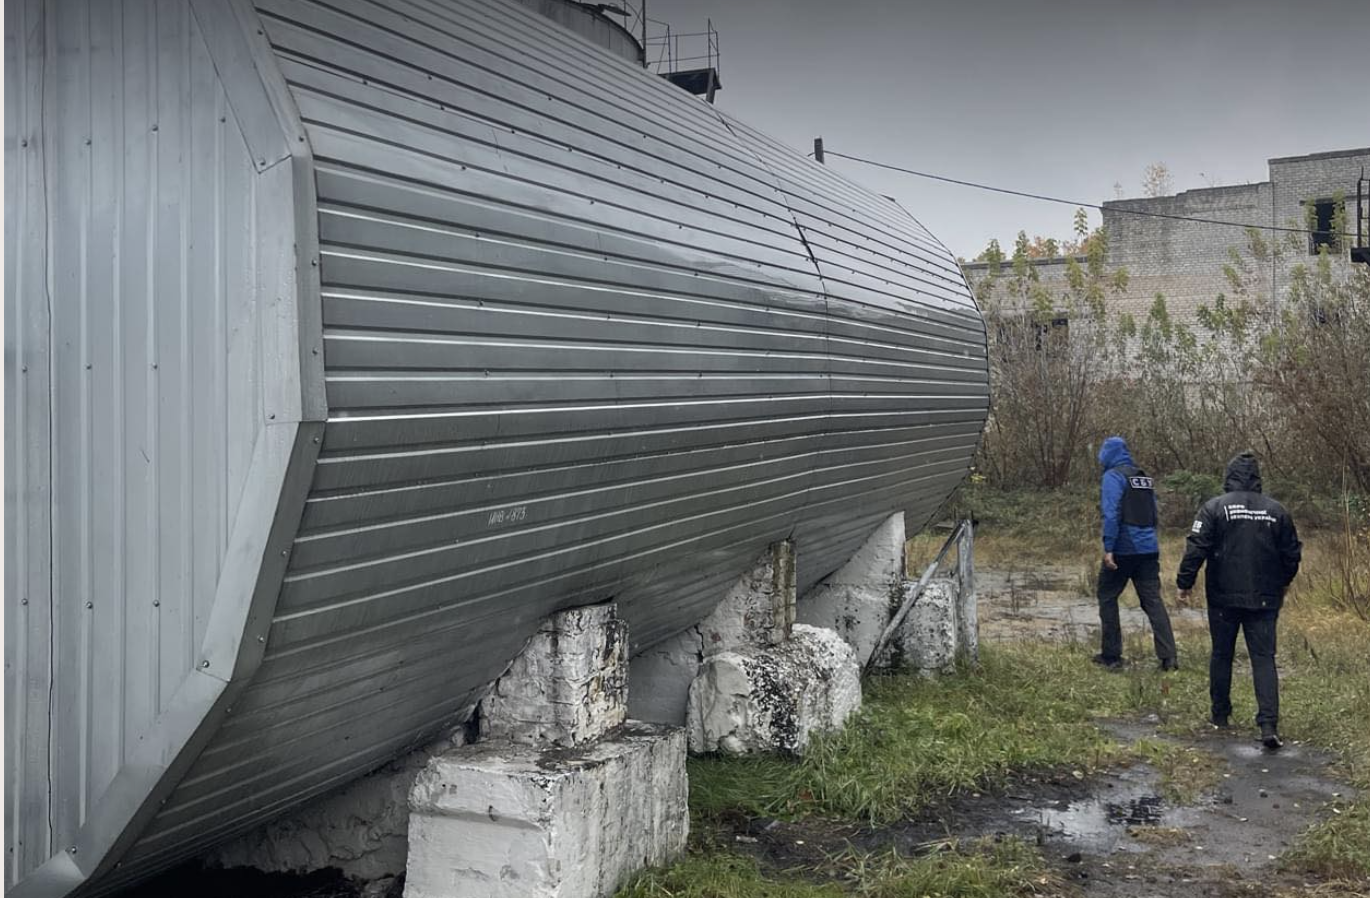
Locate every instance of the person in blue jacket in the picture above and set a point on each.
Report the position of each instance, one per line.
(1131, 553)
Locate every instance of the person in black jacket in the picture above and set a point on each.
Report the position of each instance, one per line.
(1253, 554)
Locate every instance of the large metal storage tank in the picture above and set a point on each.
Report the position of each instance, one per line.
(346, 340)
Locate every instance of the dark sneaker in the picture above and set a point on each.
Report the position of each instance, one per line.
(1220, 723)
(1110, 663)
(1170, 665)
(1271, 739)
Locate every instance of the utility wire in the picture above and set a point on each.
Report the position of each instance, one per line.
(1053, 199)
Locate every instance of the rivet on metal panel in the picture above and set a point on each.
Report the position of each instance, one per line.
(87, 141)
(154, 366)
(90, 605)
(261, 639)
(271, 417)
(87, 366)
(261, 161)
(24, 142)
(316, 439)
(314, 263)
(24, 369)
(72, 849)
(284, 553)
(223, 118)
(154, 127)
(204, 663)
(23, 601)
(156, 603)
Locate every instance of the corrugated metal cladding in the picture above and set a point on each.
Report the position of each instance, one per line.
(584, 338)
(135, 351)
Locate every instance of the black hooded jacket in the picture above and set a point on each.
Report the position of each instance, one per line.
(1249, 541)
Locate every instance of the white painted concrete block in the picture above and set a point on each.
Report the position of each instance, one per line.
(361, 828)
(567, 687)
(502, 821)
(928, 640)
(859, 600)
(759, 608)
(774, 699)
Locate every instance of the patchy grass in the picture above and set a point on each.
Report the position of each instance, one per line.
(1034, 706)
(1337, 849)
(981, 869)
(917, 739)
(721, 875)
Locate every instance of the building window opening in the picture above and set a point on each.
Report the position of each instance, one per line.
(1322, 218)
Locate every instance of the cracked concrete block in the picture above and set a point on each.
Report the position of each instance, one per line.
(567, 687)
(502, 821)
(774, 699)
(859, 599)
(361, 828)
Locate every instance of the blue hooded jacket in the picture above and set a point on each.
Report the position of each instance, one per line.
(1120, 539)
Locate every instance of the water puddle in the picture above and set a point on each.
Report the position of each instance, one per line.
(1100, 822)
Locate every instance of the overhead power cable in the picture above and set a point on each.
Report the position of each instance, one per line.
(1065, 202)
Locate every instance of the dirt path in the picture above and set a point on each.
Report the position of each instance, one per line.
(1053, 603)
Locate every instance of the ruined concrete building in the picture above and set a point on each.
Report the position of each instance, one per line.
(1183, 259)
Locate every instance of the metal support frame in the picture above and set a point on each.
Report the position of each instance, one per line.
(963, 538)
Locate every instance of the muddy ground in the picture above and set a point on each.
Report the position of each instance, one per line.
(1110, 835)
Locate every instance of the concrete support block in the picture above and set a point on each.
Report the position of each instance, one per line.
(758, 610)
(929, 639)
(502, 821)
(362, 829)
(774, 699)
(860, 598)
(568, 687)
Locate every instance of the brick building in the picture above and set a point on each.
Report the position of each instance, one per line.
(1183, 260)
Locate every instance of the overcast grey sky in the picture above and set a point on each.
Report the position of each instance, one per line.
(1063, 97)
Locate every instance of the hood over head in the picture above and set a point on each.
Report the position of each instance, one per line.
(1114, 453)
(1243, 474)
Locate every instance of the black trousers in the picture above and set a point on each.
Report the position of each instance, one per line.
(1258, 626)
(1144, 572)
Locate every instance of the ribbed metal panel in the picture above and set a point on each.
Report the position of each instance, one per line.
(583, 338)
(144, 365)
(28, 477)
